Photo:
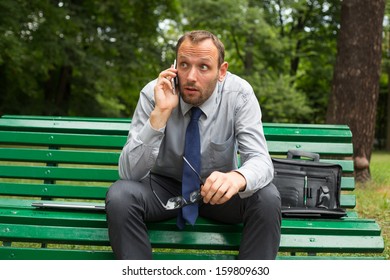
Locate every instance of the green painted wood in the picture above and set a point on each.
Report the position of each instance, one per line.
(56, 173)
(344, 128)
(331, 227)
(115, 141)
(271, 126)
(190, 239)
(55, 190)
(347, 165)
(305, 134)
(329, 149)
(86, 156)
(12, 253)
(347, 183)
(54, 234)
(82, 150)
(9, 253)
(348, 201)
(329, 243)
(59, 156)
(64, 126)
(329, 133)
(354, 227)
(91, 192)
(289, 243)
(62, 139)
(275, 134)
(53, 218)
(67, 118)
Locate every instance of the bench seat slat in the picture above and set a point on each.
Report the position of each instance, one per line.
(54, 234)
(329, 243)
(12, 253)
(190, 240)
(348, 226)
(289, 242)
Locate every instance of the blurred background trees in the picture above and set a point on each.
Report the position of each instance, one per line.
(91, 58)
(58, 56)
(78, 57)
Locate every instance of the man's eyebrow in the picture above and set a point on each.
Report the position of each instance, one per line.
(208, 58)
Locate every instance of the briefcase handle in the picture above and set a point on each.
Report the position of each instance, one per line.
(294, 154)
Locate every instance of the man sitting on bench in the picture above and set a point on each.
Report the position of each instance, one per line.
(180, 159)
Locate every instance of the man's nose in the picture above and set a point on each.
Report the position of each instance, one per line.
(192, 74)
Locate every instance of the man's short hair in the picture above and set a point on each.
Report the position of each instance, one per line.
(198, 36)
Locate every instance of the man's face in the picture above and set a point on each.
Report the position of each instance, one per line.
(198, 70)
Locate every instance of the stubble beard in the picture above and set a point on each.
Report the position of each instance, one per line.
(203, 95)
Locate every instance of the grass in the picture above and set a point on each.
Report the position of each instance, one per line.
(373, 198)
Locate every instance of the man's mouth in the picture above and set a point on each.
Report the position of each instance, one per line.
(191, 89)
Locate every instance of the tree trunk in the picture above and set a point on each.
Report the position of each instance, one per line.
(387, 135)
(57, 91)
(355, 87)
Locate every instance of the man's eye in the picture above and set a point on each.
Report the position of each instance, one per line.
(183, 65)
(204, 67)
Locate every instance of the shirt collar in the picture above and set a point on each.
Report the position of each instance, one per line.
(207, 107)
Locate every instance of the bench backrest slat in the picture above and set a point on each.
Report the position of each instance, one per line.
(59, 156)
(62, 139)
(328, 149)
(55, 173)
(76, 127)
(76, 191)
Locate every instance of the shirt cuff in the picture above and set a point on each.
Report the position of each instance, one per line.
(150, 136)
(253, 183)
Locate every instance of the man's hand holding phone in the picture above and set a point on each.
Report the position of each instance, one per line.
(165, 98)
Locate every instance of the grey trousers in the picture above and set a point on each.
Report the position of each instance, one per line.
(130, 204)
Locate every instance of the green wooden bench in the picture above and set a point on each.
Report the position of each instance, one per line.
(75, 159)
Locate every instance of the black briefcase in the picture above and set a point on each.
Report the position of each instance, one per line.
(308, 187)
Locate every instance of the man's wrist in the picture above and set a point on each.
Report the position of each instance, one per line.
(240, 179)
(159, 119)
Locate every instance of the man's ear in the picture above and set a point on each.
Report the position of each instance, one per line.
(222, 71)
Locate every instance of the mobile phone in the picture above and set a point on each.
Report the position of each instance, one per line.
(175, 81)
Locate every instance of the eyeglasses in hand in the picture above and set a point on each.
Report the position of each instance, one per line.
(179, 201)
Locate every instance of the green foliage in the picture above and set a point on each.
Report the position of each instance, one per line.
(57, 56)
(383, 106)
(106, 46)
(286, 50)
(278, 100)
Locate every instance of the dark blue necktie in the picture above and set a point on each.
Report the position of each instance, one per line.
(190, 181)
